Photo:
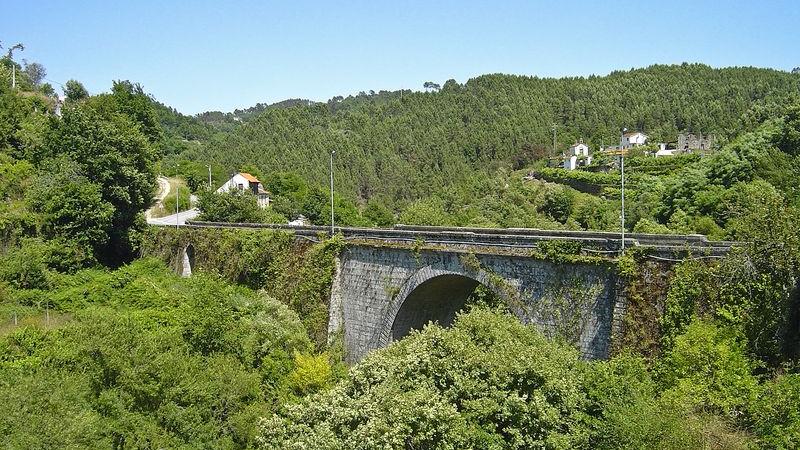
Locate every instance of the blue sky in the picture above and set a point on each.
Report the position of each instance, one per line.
(215, 55)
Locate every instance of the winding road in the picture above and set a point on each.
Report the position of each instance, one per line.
(173, 219)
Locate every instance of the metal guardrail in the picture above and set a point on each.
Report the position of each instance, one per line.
(523, 238)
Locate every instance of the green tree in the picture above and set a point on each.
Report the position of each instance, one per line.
(377, 214)
(558, 203)
(775, 416)
(72, 207)
(789, 139)
(35, 72)
(233, 206)
(115, 156)
(74, 91)
(708, 370)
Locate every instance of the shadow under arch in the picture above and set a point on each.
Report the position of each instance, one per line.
(436, 300)
(430, 295)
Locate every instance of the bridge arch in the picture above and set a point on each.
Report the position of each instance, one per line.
(430, 294)
(187, 261)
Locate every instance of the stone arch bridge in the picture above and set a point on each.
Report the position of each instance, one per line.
(391, 281)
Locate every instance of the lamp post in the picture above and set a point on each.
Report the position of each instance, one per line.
(333, 152)
(177, 206)
(10, 56)
(622, 173)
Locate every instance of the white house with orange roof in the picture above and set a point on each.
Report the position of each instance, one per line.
(244, 181)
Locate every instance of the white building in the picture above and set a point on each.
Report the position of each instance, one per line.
(577, 155)
(244, 180)
(634, 139)
(579, 149)
(664, 150)
(571, 162)
(300, 221)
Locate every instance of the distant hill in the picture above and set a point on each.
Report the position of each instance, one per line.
(218, 118)
(402, 145)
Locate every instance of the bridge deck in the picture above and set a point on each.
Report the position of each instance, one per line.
(516, 238)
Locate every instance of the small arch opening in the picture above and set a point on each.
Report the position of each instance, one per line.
(439, 300)
(188, 261)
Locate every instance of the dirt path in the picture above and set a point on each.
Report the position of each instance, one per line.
(163, 192)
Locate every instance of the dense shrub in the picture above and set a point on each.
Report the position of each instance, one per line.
(775, 415)
(150, 359)
(491, 382)
(296, 272)
(708, 370)
(234, 206)
(488, 381)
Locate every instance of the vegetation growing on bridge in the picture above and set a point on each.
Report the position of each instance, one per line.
(298, 273)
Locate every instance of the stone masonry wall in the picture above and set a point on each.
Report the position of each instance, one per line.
(573, 300)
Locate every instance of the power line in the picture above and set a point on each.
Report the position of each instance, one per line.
(52, 81)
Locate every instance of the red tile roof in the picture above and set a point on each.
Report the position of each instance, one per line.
(249, 177)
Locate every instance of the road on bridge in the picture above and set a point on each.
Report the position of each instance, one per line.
(175, 219)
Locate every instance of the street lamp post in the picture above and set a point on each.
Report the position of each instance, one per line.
(333, 152)
(177, 206)
(622, 176)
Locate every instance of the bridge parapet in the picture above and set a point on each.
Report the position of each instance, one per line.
(663, 245)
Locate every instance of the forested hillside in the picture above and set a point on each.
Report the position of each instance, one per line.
(400, 147)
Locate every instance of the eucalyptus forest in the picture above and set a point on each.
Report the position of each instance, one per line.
(102, 345)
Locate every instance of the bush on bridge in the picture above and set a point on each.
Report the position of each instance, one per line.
(298, 273)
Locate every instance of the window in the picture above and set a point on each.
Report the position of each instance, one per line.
(241, 186)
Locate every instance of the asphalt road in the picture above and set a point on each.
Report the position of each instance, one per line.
(175, 219)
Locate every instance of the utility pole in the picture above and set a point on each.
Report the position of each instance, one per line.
(177, 200)
(554, 139)
(333, 152)
(622, 173)
(177, 206)
(209, 176)
(10, 55)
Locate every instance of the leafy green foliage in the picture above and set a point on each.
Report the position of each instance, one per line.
(558, 204)
(114, 155)
(149, 359)
(295, 272)
(234, 206)
(708, 368)
(431, 390)
(180, 197)
(71, 207)
(490, 382)
(74, 91)
(789, 141)
(775, 415)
